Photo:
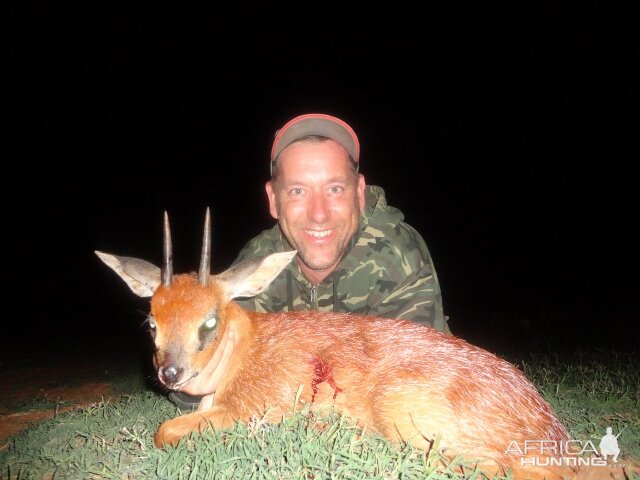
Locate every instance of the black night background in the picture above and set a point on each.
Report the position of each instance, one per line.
(506, 134)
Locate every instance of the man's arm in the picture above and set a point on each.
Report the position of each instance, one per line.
(417, 299)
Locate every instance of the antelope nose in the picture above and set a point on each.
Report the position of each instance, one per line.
(170, 374)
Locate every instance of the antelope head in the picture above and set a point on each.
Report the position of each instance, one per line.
(190, 313)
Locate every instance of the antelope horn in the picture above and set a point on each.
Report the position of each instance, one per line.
(205, 256)
(167, 259)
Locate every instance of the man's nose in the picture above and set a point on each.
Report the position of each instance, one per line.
(318, 210)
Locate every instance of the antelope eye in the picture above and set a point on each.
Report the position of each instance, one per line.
(211, 323)
(151, 322)
(207, 331)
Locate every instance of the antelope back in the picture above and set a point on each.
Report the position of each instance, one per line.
(190, 312)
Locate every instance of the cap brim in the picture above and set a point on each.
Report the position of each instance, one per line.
(316, 124)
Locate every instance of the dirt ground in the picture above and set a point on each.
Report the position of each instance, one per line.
(33, 390)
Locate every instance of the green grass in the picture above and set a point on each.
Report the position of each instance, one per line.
(590, 392)
(115, 441)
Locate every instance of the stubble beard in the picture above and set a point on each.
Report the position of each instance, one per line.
(321, 264)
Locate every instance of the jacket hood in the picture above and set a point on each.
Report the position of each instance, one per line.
(377, 211)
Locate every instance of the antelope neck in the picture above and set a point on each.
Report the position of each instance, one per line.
(221, 359)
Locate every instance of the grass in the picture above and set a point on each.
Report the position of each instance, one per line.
(591, 391)
(113, 439)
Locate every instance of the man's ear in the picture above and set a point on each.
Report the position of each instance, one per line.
(361, 185)
(272, 199)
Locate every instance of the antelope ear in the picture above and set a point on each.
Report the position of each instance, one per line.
(254, 275)
(142, 277)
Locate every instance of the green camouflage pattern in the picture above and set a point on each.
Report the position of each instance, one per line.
(387, 271)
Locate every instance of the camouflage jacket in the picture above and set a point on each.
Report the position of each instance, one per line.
(386, 271)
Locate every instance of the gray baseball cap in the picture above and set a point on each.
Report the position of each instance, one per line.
(316, 124)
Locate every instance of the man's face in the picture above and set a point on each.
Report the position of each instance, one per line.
(317, 200)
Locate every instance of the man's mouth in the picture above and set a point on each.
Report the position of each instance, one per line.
(319, 233)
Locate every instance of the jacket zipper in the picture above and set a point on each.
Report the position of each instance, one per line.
(314, 296)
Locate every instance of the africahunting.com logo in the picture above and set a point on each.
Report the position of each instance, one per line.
(570, 453)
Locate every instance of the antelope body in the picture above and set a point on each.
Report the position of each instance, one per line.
(394, 377)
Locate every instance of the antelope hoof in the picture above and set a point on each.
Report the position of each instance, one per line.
(171, 432)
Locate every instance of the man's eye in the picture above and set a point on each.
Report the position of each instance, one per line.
(296, 191)
(336, 189)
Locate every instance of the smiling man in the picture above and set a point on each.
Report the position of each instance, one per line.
(355, 253)
(317, 196)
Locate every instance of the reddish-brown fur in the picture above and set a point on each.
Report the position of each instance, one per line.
(396, 378)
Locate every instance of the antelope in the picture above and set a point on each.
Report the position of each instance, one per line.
(407, 382)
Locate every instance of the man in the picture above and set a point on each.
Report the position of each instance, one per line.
(355, 253)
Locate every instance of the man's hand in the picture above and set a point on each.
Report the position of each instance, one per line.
(207, 381)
